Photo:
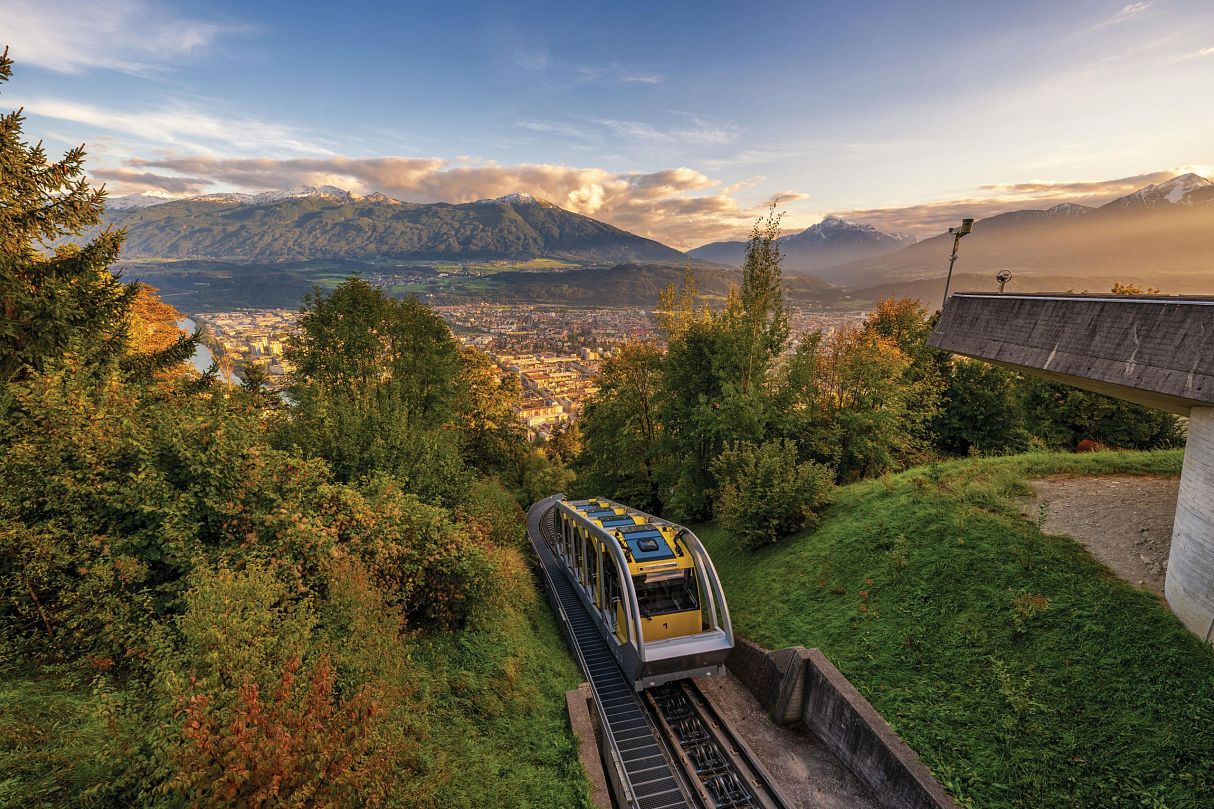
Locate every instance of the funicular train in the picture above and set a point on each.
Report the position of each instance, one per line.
(650, 587)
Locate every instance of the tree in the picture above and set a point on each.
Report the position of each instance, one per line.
(764, 493)
(66, 299)
(494, 437)
(982, 410)
(620, 429)
(1062, 416)
(375, 389)
(1133, 289)
(717, 373)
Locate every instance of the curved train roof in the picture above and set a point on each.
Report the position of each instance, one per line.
(645, 539)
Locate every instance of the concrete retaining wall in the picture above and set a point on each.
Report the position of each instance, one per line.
(1189, 586)
(802, 685)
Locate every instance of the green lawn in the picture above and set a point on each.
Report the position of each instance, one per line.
(1019, 668)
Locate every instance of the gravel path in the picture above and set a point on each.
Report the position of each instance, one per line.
(806, 772)
(1125, 521)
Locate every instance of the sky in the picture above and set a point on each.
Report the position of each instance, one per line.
(677, 121)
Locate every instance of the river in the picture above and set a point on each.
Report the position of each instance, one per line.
(203, 357)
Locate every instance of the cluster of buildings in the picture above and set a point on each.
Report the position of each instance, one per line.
(555, 351)
(250, 337)
(517, 328)
(554, 386)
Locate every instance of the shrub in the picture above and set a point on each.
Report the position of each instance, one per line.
(437, 570)
(764, 494)
(495, 509)
(249, 705)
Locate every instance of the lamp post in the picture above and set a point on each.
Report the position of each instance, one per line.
(967, 225)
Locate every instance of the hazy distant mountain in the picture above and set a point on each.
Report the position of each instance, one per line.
(1162, 235)
(831, 241)
(327, 222)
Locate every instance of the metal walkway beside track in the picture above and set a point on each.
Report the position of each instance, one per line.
(648, 780)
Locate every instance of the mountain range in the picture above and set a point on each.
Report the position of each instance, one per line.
(1161, 235)
(325, 222)
(830, 242)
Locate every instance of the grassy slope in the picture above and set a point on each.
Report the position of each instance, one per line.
(492, 732)
(923, 588)
(500, 733)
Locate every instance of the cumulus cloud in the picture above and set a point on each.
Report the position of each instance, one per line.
(679, 206)
(132, 36)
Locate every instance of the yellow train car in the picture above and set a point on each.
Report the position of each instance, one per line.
(650, 586)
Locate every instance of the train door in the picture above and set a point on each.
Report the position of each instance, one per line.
(579, 553)
(592, 569)
(613, 600)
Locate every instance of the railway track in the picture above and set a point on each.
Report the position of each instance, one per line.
(665, 748)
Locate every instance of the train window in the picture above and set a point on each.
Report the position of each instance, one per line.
(664, 593)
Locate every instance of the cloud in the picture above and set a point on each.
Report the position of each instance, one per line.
(130, 181)
(1198, 54)
(1130, 10)
(533, 58)
(782, 198)
(1102, 190)
(178, 124)
(679, 206)
(698, 133)
(132, 36)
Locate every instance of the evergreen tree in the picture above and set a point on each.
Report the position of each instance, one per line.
(65, 299)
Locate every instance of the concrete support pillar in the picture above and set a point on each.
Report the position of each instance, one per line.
(1189, 585)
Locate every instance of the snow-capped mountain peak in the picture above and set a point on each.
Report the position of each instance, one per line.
(333, 191)
(1177, 188)
(1175, 191)
(1067, 210)
(836, 229)
(517, 198)
(143, 199)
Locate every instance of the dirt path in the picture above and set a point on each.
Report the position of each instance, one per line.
(1125, 521)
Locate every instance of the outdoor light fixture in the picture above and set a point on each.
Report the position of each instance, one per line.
(967, 226)
(1003, 277)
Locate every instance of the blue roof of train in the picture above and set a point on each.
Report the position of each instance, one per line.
(638, 539)
(617, 521)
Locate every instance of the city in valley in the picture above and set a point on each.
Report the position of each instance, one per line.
(556, 351)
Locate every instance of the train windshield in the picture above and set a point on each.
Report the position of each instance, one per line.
(664, 593)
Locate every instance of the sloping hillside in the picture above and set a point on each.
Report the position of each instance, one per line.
(1021, 670)
(1161, 235)
(310, 226)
